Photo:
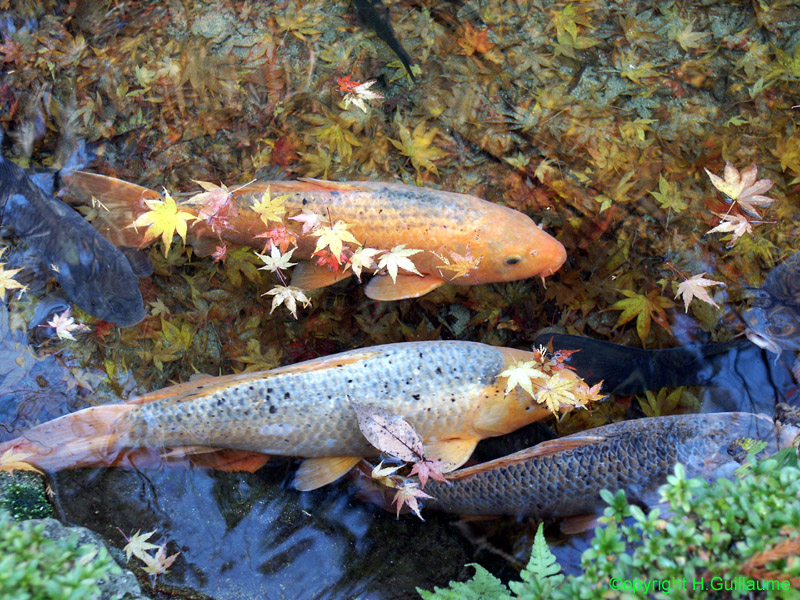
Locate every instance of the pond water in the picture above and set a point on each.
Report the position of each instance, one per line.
(601, 120)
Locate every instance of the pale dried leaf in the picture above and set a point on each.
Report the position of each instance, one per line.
(388, 432)
(695, 287)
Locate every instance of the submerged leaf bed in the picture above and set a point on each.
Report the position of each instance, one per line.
(597, 118)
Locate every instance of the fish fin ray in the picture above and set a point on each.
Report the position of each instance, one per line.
(314, 473)
(579, 523)
(455, 452)
(91, 437)
(332, 186)
(381, 287)
(541, 449)
(187, 391)
(308, 276)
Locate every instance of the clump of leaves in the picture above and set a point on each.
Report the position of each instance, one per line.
(138, 546)
(542, 378)
(741, 528)
(393, 435)
(34, 566)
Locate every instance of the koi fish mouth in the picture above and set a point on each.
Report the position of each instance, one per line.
(553, 258)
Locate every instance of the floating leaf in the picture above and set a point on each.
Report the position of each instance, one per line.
(271, 208)
(695, 287)
(397, 258)
(288, 295)
(334, 237)
(743, 188)
(12, 461)
(408, 494)
(163, 219)
(388, 432)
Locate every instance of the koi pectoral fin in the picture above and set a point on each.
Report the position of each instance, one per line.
(579, 524)
(308, 276)
(382, 287)
(218, 459)
(454, 452)
(314, 473)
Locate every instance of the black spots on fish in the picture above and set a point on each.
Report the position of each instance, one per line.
(349, 381)
(417, 397)
(453, 399)
(220, 401)
(269, 390)
(250, 388)
(272, 409)
(305, 201)
(286, 396)
(438, 371)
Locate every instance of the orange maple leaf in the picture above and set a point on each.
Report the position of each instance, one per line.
(474, 41)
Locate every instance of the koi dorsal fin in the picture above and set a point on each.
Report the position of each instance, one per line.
(333, 186)
(301, 185)
(207, 385)
(543, 449)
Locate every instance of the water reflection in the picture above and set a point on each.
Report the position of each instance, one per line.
(249, 535)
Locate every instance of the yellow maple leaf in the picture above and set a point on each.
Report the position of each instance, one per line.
(7, 281)
(163, 219)
(11, 461)
(555, 391)
(418, 146)
(522, 374)
(271, 208)
(334, 237)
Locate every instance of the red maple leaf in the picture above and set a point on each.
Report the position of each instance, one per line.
(346, 84)
(328, 259)
(220, 252)
(278, 236)
(428, 468)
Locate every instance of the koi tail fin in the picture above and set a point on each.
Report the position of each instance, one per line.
(626, 370)
(99, 437)
(92, 437)
(119, 203)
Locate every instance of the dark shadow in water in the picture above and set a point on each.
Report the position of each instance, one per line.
(249, 536)
(735, 376)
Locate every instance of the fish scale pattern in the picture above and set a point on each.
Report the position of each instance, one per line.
(634, 455)
(305, 411)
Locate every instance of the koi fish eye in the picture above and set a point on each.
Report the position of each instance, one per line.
(513, 259)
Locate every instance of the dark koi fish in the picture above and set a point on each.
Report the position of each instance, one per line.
(95, 275)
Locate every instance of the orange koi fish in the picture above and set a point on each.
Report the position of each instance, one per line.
(462, 239)
(449, 391)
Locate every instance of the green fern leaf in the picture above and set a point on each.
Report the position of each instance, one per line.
(542, 573)
(482, 585)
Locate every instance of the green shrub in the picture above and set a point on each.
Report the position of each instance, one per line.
(729, 534)
(25, 501)
(33, 567)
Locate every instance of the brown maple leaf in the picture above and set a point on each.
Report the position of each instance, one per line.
(474, 41)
